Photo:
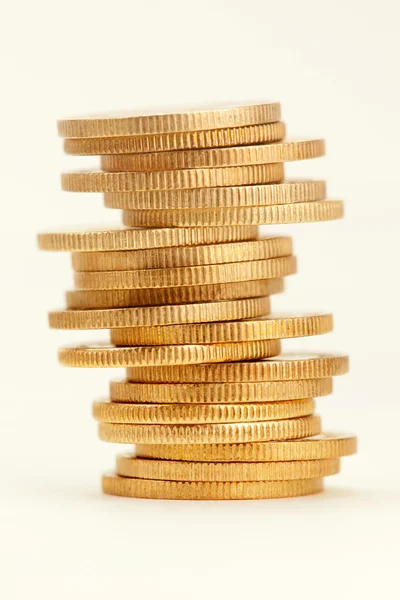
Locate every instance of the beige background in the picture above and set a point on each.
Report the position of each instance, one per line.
(334, 67)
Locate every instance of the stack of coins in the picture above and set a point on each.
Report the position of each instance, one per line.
(215, 411)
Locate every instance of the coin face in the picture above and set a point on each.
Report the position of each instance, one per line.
(139, 123)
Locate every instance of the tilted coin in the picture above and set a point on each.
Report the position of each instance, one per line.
(129, 465)
(287, 366)
(302, 212)
(84, 299)
(147, 124)
(111, 356)
(95, 181)
(134, 239)
(322, 446)
(205, 490)
(210, 433)
(165, 258)
(218, 393)
(182, 276)
(115, 412)
(158, 315)
(276, 326)
(183, 140)
(287, 192)
(277, 152)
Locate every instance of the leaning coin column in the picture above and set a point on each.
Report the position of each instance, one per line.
(185, 290)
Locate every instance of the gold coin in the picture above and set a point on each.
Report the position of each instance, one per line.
(83, 299)
(259, 154)
(219, 393)
(130, 466)
(274, 327)
(183, 140)
(92, 181)
(287, 367)
(165, 258)
(182, 414)
(135, 239)
(288, 192)
(145, 124)
(322, 446)
(302, 212)
(182, 276)
(285, 429)
(111, 356)
(158, 315)
(205, 490)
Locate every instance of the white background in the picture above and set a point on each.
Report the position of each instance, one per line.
(334, 67)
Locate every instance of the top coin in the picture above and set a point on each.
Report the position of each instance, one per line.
(142, 124)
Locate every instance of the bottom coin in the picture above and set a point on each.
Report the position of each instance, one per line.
(205, 490)
(130, 466)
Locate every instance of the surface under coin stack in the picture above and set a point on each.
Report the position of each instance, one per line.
(214, 408)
